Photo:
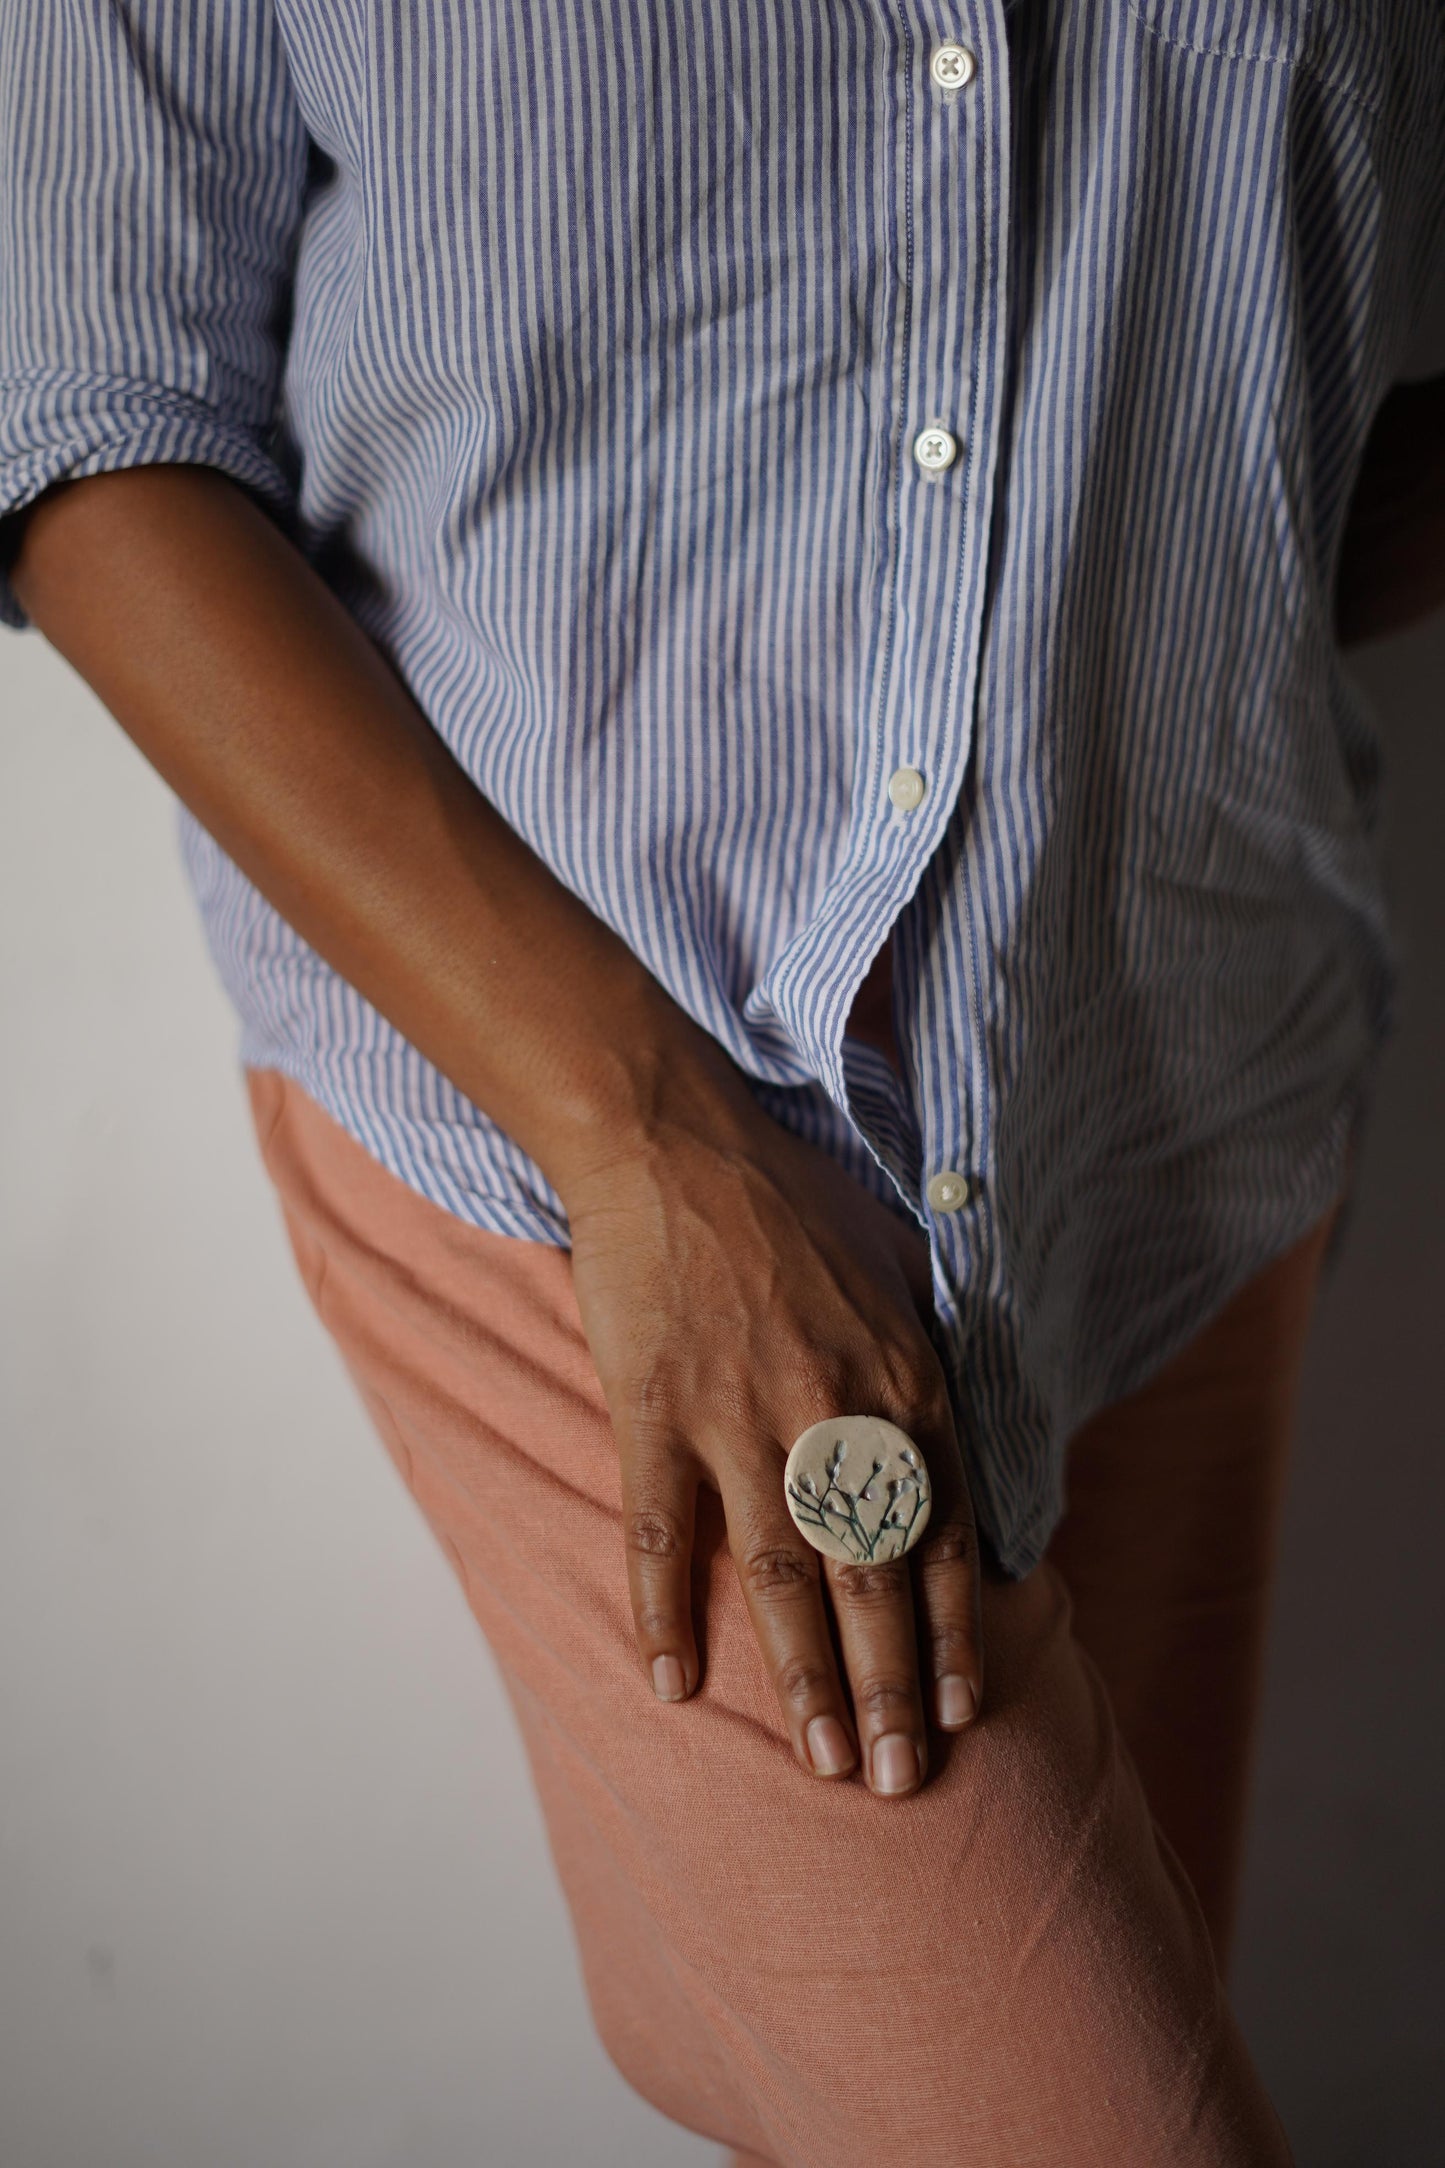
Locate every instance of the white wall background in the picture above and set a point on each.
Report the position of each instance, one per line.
(272, 1894)
(272, 1890)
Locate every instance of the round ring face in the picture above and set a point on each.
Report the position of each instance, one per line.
(857, 1486)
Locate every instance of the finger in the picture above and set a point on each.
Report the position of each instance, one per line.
(874, 1608)
(659, 1508)
(947, 1584)
(782, 1584)
(945, 1565)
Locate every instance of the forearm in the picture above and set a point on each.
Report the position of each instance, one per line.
(262, 703)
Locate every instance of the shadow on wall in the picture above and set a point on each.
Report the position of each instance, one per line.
(1340, 1977)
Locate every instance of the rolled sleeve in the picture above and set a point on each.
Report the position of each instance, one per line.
(153, 164)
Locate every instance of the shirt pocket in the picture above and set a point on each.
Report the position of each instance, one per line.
(1276, 30)
(1342, 43)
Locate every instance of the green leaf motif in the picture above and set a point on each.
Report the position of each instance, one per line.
(835, 1510)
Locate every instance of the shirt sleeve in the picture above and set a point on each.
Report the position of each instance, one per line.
(153, 166)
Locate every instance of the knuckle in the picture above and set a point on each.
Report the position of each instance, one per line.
(801, 1680)
(653, 1405)
(935, 1410)
(951, 1545)
(904, 1382)
(773, 1570)
(655, 1625)
(949, 1641)
(905, 1371)
(651, 1533)
(869, 1585)
(884, 1697)
(903, 1379)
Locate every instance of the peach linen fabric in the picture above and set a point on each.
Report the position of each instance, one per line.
(1010, 1967)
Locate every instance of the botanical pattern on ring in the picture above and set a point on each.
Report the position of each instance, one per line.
(874, 1537)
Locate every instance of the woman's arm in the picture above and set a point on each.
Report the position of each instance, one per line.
(256, 695)
(735, 1284)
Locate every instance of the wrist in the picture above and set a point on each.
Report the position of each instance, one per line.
(653, 1079)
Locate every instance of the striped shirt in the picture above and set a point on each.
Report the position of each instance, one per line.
(834, 473)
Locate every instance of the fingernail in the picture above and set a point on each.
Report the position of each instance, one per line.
(895, 1763)
(828, 1748)
(669, 1680)
(956, 1702)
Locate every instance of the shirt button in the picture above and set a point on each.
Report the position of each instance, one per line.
(953, 65)
(948, 1189)
(906, 787)
(935, 449)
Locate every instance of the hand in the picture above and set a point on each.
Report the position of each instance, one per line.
(736, 1285)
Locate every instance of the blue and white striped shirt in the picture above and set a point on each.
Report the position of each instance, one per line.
(827, 468)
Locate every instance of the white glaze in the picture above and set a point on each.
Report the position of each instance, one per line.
(857, 1486)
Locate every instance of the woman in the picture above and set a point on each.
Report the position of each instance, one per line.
(742, 611)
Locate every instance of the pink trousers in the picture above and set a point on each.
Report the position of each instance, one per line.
(1017, 1967)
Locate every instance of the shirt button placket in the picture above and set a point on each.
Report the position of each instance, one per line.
(935, 449)
(952, 66)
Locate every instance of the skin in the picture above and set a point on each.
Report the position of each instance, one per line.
(735, 1284)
